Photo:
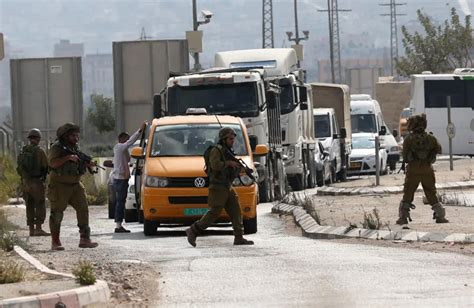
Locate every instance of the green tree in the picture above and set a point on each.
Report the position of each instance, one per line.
(101, 113)
(440, 49)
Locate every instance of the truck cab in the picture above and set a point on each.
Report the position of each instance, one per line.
(174, 185)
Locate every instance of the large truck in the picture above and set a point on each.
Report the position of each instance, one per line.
(240, 92)
(297, 131)
(141, 69)
(332, 118)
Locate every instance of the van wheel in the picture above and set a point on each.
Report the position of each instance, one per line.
(393, 165)
(150, 227)
(131, 215)
(296, 182)
(250, 225)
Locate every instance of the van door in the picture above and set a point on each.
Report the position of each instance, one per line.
(138, 168)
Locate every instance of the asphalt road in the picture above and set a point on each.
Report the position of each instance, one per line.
(285, 269)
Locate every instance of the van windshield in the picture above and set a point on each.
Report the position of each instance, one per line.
(322, 127)
(363, 123)
(191, 139)
(237, 99)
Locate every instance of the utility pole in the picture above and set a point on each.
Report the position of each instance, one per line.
(393, 32)
(143, 36)
(334, 41)
(297, 38)
(267, 24)
(197, 65)
(195, 37)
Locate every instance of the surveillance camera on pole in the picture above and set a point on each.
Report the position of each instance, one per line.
(195, 37)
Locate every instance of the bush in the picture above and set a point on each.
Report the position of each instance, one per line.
(10, 271)
(9, 179)
(84, 273)
(8, 237)
(96, 194)
(372, 221)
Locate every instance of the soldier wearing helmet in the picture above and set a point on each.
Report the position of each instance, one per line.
(32, 166)
(222, 172)
(419, 152)
(65, 186)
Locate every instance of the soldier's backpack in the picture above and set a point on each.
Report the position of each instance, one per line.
(207, 153)
(26, 163)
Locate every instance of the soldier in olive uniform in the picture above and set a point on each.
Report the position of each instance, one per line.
(222, 173)
(419, 152)
(33, 169)
(65, 186)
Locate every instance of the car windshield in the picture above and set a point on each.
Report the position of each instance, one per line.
(363, 143)
(363, 123)
(322, 128)
(406, 113)
(191, 139)
(237, 99)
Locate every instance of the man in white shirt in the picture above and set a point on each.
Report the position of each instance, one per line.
(121, 174)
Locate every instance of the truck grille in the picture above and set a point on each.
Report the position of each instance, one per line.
(185, 182)
(188, 200)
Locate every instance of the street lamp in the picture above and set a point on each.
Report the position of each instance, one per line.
(195, 37)
(297, 39)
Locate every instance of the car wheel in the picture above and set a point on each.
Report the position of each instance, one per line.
(250, 225)
(131, 215)
(150, 227)
(393, 165)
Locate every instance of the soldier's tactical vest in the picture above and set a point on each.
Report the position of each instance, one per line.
(223, 177)
(422, 148)
(69, 168)
(27, 162)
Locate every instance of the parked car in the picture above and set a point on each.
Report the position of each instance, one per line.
(403, 124)
(362, 158)
(324, 171)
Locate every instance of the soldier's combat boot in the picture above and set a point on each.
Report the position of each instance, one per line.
(85, 241)
(404, 213)
(439, 213)
(192, 233)
(240, 240)
(55, 242)
(40, 232)
(32, 230)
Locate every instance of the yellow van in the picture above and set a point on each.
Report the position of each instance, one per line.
(174, 185)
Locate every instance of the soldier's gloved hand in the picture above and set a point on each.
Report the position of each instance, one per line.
(73, 158)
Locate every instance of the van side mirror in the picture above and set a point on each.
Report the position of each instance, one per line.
(303, 106)
(343, 133)
(137, 152)
(271, 99)
(108, 163)
(260, 150)
(395, 133)
(253, 140)
(157, 112)
(303, 94)
(383, 131)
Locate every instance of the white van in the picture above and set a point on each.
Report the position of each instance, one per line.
(366, 117)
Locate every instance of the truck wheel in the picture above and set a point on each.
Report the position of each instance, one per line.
(393, 165)
(250, 225)
(342, 175)
(131, 215)
(320, 178)
(296, 182)
(264, 189)
(150, 227)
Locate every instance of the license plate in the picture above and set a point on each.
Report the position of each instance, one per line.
(195, 211)
(355, 165)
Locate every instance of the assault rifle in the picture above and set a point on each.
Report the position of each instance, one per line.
(84, 158)
(230, 156)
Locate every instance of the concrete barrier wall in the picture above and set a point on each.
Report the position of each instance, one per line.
(393, 96)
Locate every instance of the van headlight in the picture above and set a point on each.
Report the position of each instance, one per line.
(156, 181)
(131, 189)
(246, 180)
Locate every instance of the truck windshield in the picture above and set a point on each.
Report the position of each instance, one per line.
(363, 123)
(287, 103)
(191, 139)
(237, 99)
(322, 127)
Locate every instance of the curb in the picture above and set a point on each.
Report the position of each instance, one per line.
(348, 191)
(98, 293)
(312, 229)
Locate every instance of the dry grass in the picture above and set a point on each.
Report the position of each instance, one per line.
(10, 271)
(84, 273)
(305, 202)
(372, 220)
(9, 179)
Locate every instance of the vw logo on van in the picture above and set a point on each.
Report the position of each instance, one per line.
(199, 182)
